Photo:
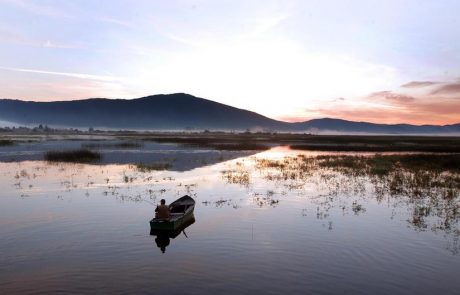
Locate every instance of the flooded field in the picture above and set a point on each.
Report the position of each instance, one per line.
(267, 222)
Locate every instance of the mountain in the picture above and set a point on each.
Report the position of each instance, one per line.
(344, 126)
(173, 111)
(178, 112)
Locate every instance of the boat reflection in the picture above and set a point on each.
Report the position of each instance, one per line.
(163, 237)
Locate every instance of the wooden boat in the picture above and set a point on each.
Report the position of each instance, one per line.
(181, 213)
(172, 234)
(163, 237)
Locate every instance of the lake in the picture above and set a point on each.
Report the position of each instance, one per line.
(270, 222)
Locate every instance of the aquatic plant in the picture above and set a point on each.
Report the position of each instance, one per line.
(427, 184)
(239, 176)
(6, 142)
(74, 156)
(153, 167)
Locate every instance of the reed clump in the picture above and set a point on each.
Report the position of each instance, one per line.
(153, 167)
(73, 156)
(6, 142)
(380, 165)
(239, 176)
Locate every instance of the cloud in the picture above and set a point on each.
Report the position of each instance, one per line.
(115, 21)
(420, 114)
(39, 9)
(448, 89)
(73, 75)
(437, 105)
(437, 88)
(65, 89)
(180, 39)
(51, 44)
(14, 36)
(419, 84)
(267, 23)
(389, 95)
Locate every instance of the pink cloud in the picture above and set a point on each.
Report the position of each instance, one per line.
(420, 106)
(448, 89)
(388, 95)
(419, 84)
(419, 114)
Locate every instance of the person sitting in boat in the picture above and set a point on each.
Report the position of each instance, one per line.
(162, 211)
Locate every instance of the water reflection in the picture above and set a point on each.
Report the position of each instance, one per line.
(363, 224)
(148, 155)
(427, 185)
(163, 237)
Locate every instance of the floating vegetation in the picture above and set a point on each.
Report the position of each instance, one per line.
(74, 156)
(261, 141)
(427, 184)
(384, 164)
(423, 166)
(357, 208)
(22, 174)
(423, 188)
(267, 199)
(263, 201)
(238, 176)
(6, 142)
(153, 167)
(359, 143)
(288, 168)
(221, 203)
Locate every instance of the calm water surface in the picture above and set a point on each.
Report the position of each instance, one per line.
(78, 228)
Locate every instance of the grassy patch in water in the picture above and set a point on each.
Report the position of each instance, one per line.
(427, 184)
(384, 164)
(449, 162)
(349, 162)
(6, 142)
(153, 167)
(260, 141)
(73, 156)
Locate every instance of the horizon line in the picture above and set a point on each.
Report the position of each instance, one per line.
(187, 94)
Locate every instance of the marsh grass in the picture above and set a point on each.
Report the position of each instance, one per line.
(6, 142)
(153, 167)
(427, 184)
(415, 172)
(261, 141)
(266, 199)
(360, 143)
(73, 156)
(237, 176)
(384, 164)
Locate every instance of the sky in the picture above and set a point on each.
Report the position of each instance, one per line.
(394, 61)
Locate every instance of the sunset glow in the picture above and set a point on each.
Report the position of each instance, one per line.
(384, 62)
